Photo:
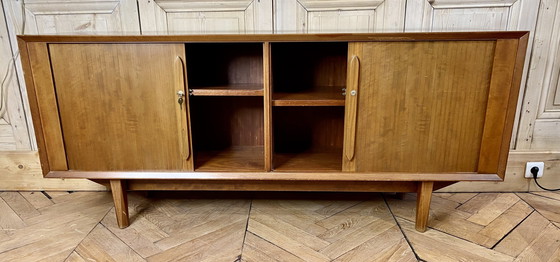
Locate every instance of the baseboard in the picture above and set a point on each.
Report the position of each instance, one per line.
(515, 180)
(21, 171)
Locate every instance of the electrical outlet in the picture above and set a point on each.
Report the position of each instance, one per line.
(530, 165)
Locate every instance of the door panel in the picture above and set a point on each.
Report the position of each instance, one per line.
(324, 16)
(539, 126)
(420, 105)
(482, 15)
(50, 17)
(479, 15)
(119, 110)
(237, 16)
(68, 17)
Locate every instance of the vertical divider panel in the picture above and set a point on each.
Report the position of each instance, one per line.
(497, 108)
(47, 105)
(267, 86)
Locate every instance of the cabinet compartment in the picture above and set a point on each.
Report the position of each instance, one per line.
(227, 133)
(308, 74)
(308, 138)
(225, 69)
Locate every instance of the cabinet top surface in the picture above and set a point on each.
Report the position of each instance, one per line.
(276, 37)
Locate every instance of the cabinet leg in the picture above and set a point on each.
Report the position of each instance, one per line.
(423, 205)
(118, 188)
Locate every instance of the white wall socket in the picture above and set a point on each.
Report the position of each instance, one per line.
(530, 165)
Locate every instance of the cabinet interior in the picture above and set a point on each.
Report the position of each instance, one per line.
(308, 138)
(308, 74)
(227, 133)
(234, 69)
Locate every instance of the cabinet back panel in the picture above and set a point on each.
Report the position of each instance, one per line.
(118, 106)
(421, 105)
(300, 66)
(299, 129)
(223, 64)
(223, 122)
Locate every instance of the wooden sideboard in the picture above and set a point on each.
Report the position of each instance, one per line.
(407, 112)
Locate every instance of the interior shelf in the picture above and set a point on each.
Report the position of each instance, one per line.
(309, 161)
(317, 96)
(229, 90)
(308, 74)
(235, 158)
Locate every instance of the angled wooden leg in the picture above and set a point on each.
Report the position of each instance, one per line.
(118, 188)
(423, 205)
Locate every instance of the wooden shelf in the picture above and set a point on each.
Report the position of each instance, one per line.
(309, 161)
(229, 90)
(236, 158)
(318, 96)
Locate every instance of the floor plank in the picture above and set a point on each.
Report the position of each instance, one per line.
(544, 248)
(256, 249)
(221, 245)
(344, 230)
(81, 226)
(51, 241)
(505, 222)
(9, 220)
(102, 245)
(388, 246)
(481, 220)
(457, 197)
(493, 209)
(553, 195)
(75, 257)
(140, 235)
(520, 238)
(434, 245)
(548, 207)
(37, 199)
(19, 204)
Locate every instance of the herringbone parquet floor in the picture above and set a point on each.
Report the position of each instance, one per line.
(80, 226)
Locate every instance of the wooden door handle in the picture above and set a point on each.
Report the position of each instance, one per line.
(183, 113)
(352, 107)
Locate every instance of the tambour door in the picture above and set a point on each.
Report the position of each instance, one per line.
(429, 106)
(119, 108)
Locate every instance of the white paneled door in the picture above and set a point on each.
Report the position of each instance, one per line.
(331, 16)
(472, 15)
(71, 17)
(539, 127)
(205, 16)
(14, 134)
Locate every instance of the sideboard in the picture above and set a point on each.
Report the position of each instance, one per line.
(391, 112)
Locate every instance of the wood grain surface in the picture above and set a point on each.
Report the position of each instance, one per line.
(498, 104)
(48, 107)
(422, 105)
(228, 124)
(489, 35)
(279, 227)
(118, 110)
(224, 64)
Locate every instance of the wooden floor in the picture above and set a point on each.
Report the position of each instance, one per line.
(80, 226)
